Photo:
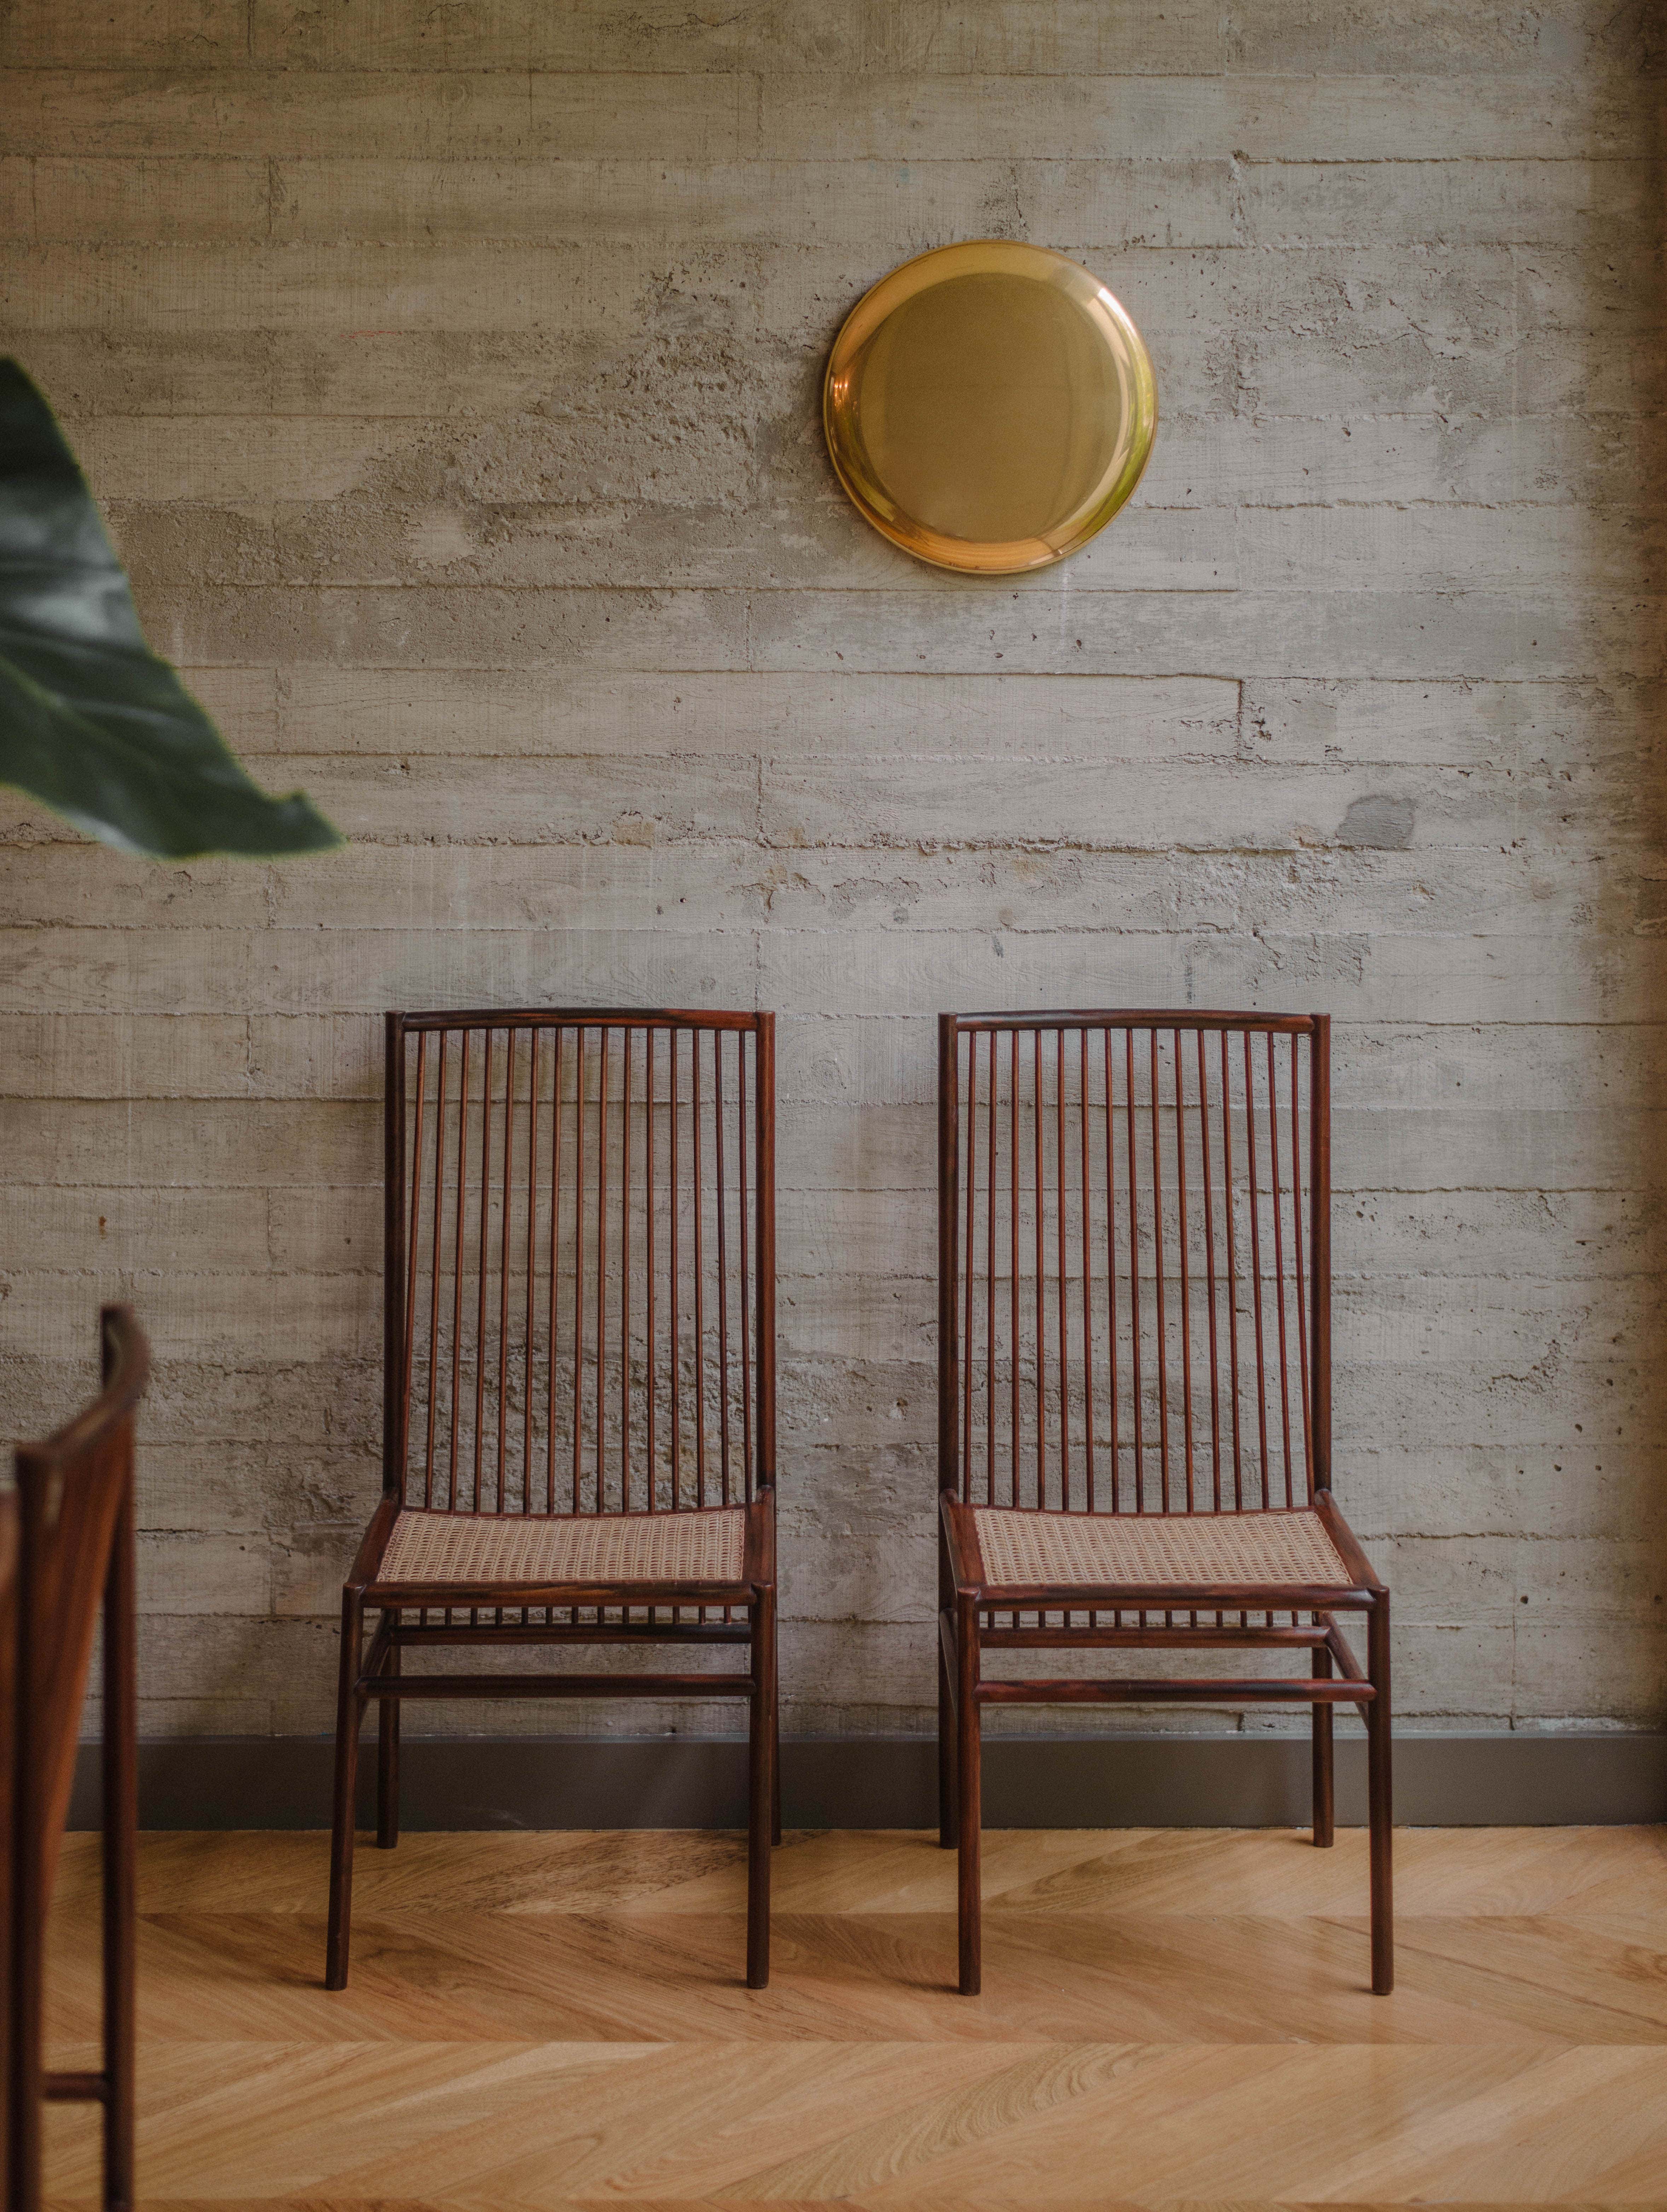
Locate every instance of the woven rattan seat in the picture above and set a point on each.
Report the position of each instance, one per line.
(480, 1548)
(1075, 1549)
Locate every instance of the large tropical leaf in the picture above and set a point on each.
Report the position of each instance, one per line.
(91, 722)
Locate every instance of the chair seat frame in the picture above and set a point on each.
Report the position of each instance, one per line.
(978, 1615)
(372, 1671)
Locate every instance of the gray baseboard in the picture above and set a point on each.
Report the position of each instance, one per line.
(1036, 1781)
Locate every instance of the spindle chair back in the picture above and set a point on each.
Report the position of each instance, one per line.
(579, 1357)
(1140, 1324)
(69, 1532)
(1134, 1374)
(576, 1318)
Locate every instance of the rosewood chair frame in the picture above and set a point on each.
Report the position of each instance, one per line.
(66, 1543)
(668, 1410)
(1008, 1168)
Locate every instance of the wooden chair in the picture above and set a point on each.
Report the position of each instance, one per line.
(579, 1410)
(1134, 1384)
(66, 1541)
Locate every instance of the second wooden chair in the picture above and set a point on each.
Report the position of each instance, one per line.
(1135, 1385)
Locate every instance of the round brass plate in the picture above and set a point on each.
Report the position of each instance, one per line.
(990, 406)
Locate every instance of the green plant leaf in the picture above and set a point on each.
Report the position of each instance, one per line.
(91, 722)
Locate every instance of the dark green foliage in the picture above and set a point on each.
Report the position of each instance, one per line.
(91, 722)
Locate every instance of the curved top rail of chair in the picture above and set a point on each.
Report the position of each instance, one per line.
(1137, 1018)
(127, 1370)
(593, 1017)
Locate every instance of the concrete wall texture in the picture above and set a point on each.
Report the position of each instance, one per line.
(450, 376)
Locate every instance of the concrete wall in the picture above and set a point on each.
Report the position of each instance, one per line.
(450, 377)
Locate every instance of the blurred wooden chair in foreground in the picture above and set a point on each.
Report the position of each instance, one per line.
(66, 1541)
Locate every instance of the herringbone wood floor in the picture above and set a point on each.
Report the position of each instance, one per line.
(1170, 2019)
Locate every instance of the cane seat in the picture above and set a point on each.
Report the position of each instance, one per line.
(1021, 1549)
(480, 1549)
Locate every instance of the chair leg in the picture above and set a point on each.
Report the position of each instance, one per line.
(1324, 1796)
(387, 1762)
(969, 1796)
(775, 1774)
(22, 2101)
(1381, 1809)
(761, 1793)
(947, 1817)
(349, 1715)
(121, 1854)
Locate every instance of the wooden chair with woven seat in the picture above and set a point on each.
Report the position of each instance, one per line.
(1135, 1386)
(579, 1410)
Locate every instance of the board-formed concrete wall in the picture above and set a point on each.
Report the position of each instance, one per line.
(450, 377)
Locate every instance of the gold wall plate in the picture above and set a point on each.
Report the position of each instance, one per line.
(990, 406)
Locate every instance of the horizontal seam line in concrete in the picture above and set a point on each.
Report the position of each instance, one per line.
(764, 71)
(702, 164)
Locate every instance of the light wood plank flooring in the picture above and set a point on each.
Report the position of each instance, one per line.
(1169, 2019)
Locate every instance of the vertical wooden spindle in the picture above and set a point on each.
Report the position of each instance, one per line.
(601, 1263)
(416, 1186)
(1135, 1279)
(989, 1287)
(1232, 1270)
(433, 1286)
(1255, 1267)
(625, 1045)
(555, 1257)
(650, 1046)
(700, 1274)
(676, 1285)
(1209, 1277)
(1041, 1278)
(532, 1268)
(970, 1176)
(1299, 1264)
(720, 1182)
(1088, 1277)
(1159, 1269)
(480, 1254)
(503, 1259)
(1186, 1285)
(453, 1485)
(1319, 1208)
(765, 1169)
(1016, 1498)
(1279, 1263)
(582, 1054)
(746, 1197)
(1112, 1276)
(1060, 1240)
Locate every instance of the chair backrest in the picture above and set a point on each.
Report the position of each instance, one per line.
(579, 1266)
(70, 1491)
(1135, 1259)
